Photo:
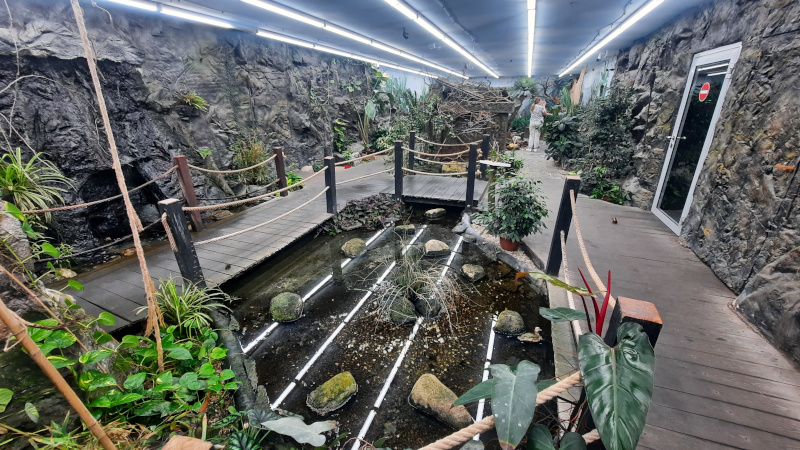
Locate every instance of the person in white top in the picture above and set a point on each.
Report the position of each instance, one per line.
(538, 111)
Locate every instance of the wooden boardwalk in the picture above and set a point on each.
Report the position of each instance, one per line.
(719, 384)
(438, 190)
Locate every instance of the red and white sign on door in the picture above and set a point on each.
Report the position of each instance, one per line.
(704, 91)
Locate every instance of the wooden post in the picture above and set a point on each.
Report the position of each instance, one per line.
(187, 186)
(330, 182)
(398, 170)
(280, 169)
(185, 254)
(412, 140)
(471, 168)
(492, 173)
(563, 221)
(485, 147)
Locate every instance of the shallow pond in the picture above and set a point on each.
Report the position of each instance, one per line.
(453, 347)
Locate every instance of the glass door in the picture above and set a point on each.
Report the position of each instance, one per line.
(692, 134)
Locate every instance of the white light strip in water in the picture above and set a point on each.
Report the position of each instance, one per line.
(486, 364)
(283, 395)
(317, 287)
(452, 256)
(319, 352)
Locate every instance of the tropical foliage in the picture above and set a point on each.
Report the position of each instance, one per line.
(518, 212)
(33, 184)
(249, 151)
(188, 305)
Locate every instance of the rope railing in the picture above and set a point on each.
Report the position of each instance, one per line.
(341, 163)
(223, 172)
(97, 202)
(363, 176)
(452, 174)
(446, 145)
(92, 250)
(251, 199)
(254, 227)
(436, 155)
(264, 187)
(585, 254)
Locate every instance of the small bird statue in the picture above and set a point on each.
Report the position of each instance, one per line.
(531, 337)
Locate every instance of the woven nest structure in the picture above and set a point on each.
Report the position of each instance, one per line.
(476, 109)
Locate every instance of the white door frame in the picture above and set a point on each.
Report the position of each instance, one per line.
(728, 52)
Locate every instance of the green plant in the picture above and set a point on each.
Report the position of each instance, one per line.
(204, 152)
(317, 166)
(367, 212)
(605, 189)
(370, 111)
(292, 179)
(352, 86)
(340, 138)
(192, 99)
(608, 132)
(520, 123)
(518, 212)
(562, 132)
(35, 184)
(187, 306)
(248, 152)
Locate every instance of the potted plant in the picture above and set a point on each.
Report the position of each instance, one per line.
(518, 212)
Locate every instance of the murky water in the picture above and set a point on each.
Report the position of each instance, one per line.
(453, 349)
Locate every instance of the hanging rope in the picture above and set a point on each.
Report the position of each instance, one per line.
(266, 186)
(447, 145)
(363, 176)
(437, 155)
(97, 202)
(597, 281)
(216, 239)
(203, 169)
(167, 229)
(365, 156)
(454, 174)
(154, 317)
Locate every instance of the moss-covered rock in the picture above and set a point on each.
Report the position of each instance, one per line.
(436, 399)
(333, 394)
(428, 307)
(286, 307)
(402, 312)
(354, 247)
(510, 323)
(473, 272)
(405, 230)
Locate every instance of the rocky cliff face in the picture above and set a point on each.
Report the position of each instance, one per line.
(745, 207)
(287, 96)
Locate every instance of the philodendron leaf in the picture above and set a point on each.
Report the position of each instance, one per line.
(299, 431)
(619, 384)
(32, 412)
(513, 400)
(572, 441)
(481, 391)
(558, 283)
(539, 438)
(5, 398)
(562, 314)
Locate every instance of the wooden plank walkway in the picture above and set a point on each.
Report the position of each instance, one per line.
(438, 190)
(719, 384)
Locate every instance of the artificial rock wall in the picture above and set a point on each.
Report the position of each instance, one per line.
(288, 96)
(746, 207)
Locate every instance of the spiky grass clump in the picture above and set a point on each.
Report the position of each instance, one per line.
(188, 306)
(36, 184)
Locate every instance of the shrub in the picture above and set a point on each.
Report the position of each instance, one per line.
(368, 212)
(193, 100)
(36, 184)
(248, 152)
(520, 123)
(605, 189)
(518, 212)
(563, 136)
(188, 306)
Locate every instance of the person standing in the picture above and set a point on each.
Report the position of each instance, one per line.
(538, 111)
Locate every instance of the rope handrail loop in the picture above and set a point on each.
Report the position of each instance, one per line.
(437, 155)
(251, 199)
(441, 163)
(203, 169)
(97, 202)
(341, 163)
(92, 250)
(260, 188)
(453, 174)
(446, 145)
(254, 227)
(364, 176)
(579, 237)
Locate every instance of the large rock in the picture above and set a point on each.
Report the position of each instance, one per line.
(435, 248)
(405, 230)
(332, 394)
(286, 307)
(436, 399)
(221, 214)
(473, 272)
(354, 247)
(510, 323)
(428, 307)
(435, 213)
(402, 312)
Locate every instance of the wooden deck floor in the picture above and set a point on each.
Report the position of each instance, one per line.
(450, 191)
(719, 384)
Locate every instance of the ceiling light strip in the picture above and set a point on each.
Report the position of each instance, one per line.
(643, 11)
(183, 14)
(137, 4)
(531, 33)
(432, 29)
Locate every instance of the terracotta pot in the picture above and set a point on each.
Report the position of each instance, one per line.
(509, 245)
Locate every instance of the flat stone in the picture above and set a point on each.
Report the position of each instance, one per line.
(427, 307)
(436, 248)
(402, 312)
(220, 214)
(436, 399)
(473, 272)
(286, 307)
(435, 213)
(354, 247)
(510, 323)
(333, 394)
(405, 230)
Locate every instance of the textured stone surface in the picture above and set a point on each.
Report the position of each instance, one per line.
(746, 207)
(473, 272)
(402, 312)
(435, 213)
(333, 394)
(286, 307)
(405, 230)
(428, 307)
(221, 214)
(436, 248)
(509, 323)
(354, 247)
(454, 168)
(145, 59)
(436, 399)
(771, 301)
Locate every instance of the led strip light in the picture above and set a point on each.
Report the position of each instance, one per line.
(486, 364)
(531, 32)
(430, 28)
(218, 22)
(643, 11)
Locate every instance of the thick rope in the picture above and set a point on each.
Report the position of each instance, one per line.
(92, 250)
(465, 434)
(154, 317)
(435, 155)
(97, 202)
(363, 176)
(266, 186)
(365, 156)
(203, 169)
(441, 163)
(596, 278)
(251, 199)
(446, 145)
(168, 230)
(436, 174)
(216, 239)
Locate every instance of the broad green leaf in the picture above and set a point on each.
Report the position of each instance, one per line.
(255, 417)
(232, 385)
(218, 353)
(106, 318)
(241, 440)
(513, 401)
(134, 381)
(5, 398)
(101, 337)
(59, 361)
(153, 407)
(190, 381)
(562, 314)
(572, 441)
(129, 341)
(60, 339)
(15, 212)
(165, 377)
(206, 370)
(104, 401)
(299, 431)
(481, 391)
(94, 356)
(75, 284)
(50, 250)
(40, 334)
(618, 383)
(539, 438)
(179, 353)
(226, 374)
(32, 412)
(29, 231)
(558, 283)
(94, 379)
(125, 398)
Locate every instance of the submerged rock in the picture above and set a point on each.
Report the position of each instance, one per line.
(510, 323)
(402, 312)
(473, 272)
(435, 213)
(286, 307)
(405, 230)
(436, 248)
(428, 307)
(434, 398)
(333, 394)
(354, 247)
